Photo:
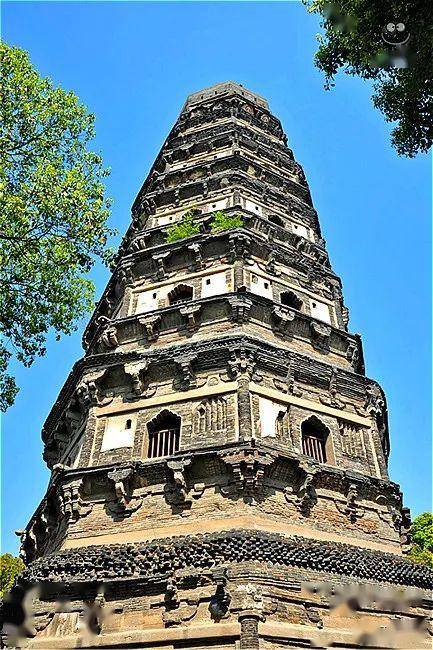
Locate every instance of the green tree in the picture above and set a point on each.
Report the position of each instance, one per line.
(185, 227)
(222, 221)
(53, 213)
(422, 539)
(10, 567)
(390, 42)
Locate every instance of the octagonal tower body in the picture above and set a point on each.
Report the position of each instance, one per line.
(219, 446)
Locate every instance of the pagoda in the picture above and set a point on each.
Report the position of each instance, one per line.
(218, 456)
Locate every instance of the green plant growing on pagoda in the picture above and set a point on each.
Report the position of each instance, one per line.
(222, 221)
(185, 227)
(53, 213)
(422, 539)
(10, 567)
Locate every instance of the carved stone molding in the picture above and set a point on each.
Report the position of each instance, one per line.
(132, 561)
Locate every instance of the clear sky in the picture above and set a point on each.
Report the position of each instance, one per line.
(132, 64)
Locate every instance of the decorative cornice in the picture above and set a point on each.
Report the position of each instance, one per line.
(153, 561)
(269, 356)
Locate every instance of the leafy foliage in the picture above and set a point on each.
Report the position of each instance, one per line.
(10, 567)
(222, 221)
(53, 213)
(186, 227)
(422, 538)
(392, 44)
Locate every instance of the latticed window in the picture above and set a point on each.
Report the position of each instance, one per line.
(164, 435)
(314, 436)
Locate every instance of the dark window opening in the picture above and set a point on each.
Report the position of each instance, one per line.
(154, 295)
(128, 424)
(181, 293)
(273, 218)
(314, 436)
(290, 299)
(208, 281)
(164, 435)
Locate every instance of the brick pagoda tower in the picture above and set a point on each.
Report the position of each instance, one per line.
(218, 456)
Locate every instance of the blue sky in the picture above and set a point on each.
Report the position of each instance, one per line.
(133, 64)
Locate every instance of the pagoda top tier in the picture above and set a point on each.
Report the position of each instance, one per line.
(224, 88)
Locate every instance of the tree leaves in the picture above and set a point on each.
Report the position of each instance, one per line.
(422, 538)
(10, 567)
(390, 42)
(53, 212)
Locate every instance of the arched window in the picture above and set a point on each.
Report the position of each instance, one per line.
(180, 293)
(273, 218)
(290, 299)
(164, 434)
(314, 437)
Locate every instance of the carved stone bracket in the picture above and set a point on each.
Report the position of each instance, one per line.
(159, 262)
(242, 363)
(136, 372)
(197, 259)
(239, 247)
(187, 378)
(220, 601)
(283, 317)
(71, 505)
(352, 354)
(108, 338)
(125, 502)
(306, 496)
(332, 399)
(88, 392)
(240, 308)
(351, 508)
(345, 315)
(150, 324)
(140, 242)
(291, 385)
(28, 543)
(190, 312)
(321, 334)
(248, 466)
(271, 264)
(125, 275)
(178, 469)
